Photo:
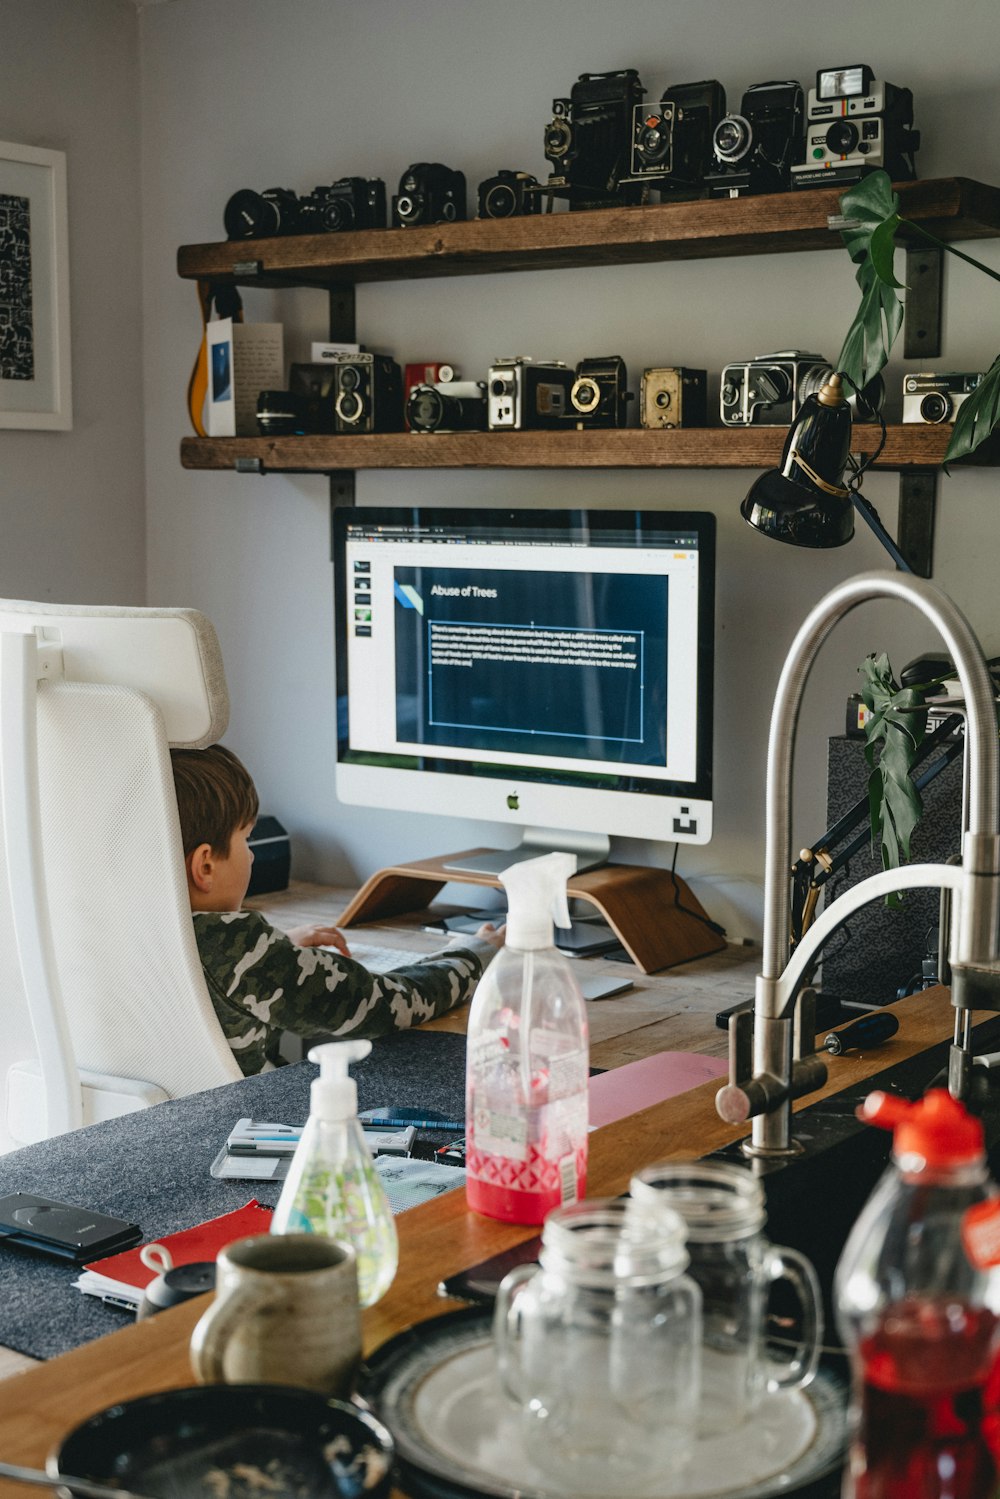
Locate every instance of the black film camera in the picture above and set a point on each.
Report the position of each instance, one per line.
(673, 398)
(600, 394)
(672, 140)
(457, 406)
(508, 195)
(250, 215)
(367, 393)
(855, 125)
(283, 413)
(755, 150)
(525, 394)
(349, 203)
(587, 141)
(429, 193)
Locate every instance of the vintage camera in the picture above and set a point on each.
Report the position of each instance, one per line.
(508, 195)
(525, 394)
(587, 141)
(855, 125)
(672, 140)
(599, 393)
(768, 390)
(755, 150)
(349, 203)
(455, 406)
(936, 397)
(673, 398)
(367, 393)
(250, 215)
(429, 193)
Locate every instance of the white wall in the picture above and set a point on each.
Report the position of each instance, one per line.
(243, 92)
(72, 504)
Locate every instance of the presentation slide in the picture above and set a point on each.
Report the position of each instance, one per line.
(513, 661)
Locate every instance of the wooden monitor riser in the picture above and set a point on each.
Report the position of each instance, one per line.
(652, 912)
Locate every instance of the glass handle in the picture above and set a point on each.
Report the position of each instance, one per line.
(790, 1265)
(507, 1328)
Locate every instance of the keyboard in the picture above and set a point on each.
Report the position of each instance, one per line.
(380, 959)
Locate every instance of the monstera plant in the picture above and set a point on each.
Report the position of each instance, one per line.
(874, 225)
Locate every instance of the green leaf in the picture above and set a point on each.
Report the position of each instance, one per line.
(872, 207)
(866, 205)
(977, 415)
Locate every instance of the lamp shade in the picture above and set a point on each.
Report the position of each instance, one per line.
(804, 502)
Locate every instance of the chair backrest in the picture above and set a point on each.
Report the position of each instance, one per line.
(104, 961)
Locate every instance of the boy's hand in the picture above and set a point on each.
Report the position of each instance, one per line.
(319, 936)
(497, 935)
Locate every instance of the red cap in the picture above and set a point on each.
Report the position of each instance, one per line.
(937, 1126)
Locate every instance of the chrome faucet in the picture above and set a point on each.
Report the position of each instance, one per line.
(777, 1063)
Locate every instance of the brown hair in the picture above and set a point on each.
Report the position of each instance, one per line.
(215, 796)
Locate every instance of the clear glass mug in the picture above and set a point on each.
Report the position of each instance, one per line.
(734, 1266)
(599, 1345)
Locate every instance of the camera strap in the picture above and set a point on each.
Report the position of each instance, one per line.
(228, 303)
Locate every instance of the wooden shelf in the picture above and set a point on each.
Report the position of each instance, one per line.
(907, 447)
(953, 208)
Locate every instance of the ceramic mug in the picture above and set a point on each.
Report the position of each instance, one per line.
(285, 1312)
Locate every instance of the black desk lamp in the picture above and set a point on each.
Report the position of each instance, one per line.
(805, 502)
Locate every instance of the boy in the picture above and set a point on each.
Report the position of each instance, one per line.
(262, 981)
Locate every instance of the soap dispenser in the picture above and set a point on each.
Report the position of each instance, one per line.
(527, 1069)
(332, 1186)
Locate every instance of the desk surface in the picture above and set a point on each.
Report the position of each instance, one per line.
(439, 1238)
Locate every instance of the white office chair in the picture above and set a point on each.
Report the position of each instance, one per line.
(97, 944)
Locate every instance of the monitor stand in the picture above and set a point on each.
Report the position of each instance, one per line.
(654, 914)
(589, 849)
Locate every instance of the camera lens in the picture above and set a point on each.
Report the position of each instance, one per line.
(247, 215)
(586, 394)
(425, 408)
(404, 207)
(501, 202)
(935, 406)
(842, 138)
(557, 138)
(653, 143)
(500, 386)
(350, 378)
(663, 399)
(731, 138)
(349, 406)
(338, 214)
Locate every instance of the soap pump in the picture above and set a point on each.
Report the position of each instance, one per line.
(527, 1071)
(332, 1186)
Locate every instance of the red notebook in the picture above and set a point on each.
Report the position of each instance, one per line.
(122, 1278)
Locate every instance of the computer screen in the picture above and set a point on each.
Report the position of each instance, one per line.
(549, 668)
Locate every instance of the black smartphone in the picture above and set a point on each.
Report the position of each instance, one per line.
(61, 1229)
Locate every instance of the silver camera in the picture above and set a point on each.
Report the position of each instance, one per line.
(521, 393)
(768, 390)
(855, 123)
(934, 397)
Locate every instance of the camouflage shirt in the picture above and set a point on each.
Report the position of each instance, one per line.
(261, 984)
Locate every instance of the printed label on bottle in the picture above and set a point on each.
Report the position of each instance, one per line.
(981, 1233)
(567, 1179)
(502, 1134)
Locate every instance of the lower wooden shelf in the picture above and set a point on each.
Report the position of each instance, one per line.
(912, 445)
(652, 912)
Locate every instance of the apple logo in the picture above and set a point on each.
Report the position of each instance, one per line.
(513, 802)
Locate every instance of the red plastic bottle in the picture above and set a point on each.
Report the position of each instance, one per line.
(917, 1292)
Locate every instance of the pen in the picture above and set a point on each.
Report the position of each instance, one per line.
(394, 1123)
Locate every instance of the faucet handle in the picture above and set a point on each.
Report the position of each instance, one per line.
(804, 1024)
(741, 1044)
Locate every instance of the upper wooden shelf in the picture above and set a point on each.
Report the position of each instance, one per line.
(953, 208)
(910, 446)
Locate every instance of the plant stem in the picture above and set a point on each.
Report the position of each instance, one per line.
(933, 239)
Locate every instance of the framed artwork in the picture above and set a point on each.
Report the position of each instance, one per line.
(34, 290)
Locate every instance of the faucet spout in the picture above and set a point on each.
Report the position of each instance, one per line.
(976, 883)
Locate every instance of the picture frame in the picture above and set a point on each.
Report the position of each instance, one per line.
(35, 384)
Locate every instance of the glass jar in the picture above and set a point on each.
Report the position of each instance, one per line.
(599, 1346)
(734, 1266)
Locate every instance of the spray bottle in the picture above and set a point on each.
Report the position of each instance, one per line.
(332, 1186)
(527, 1071)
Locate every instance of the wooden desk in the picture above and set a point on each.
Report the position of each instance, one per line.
(437, 1239)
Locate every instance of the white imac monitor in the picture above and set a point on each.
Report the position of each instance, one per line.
(546, 669)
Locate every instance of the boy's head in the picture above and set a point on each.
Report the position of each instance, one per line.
(218, 806)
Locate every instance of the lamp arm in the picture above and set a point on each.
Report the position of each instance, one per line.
(867, 512)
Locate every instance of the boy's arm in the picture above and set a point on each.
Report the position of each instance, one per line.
(316, 993)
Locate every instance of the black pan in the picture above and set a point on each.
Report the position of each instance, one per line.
(232, 1442)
